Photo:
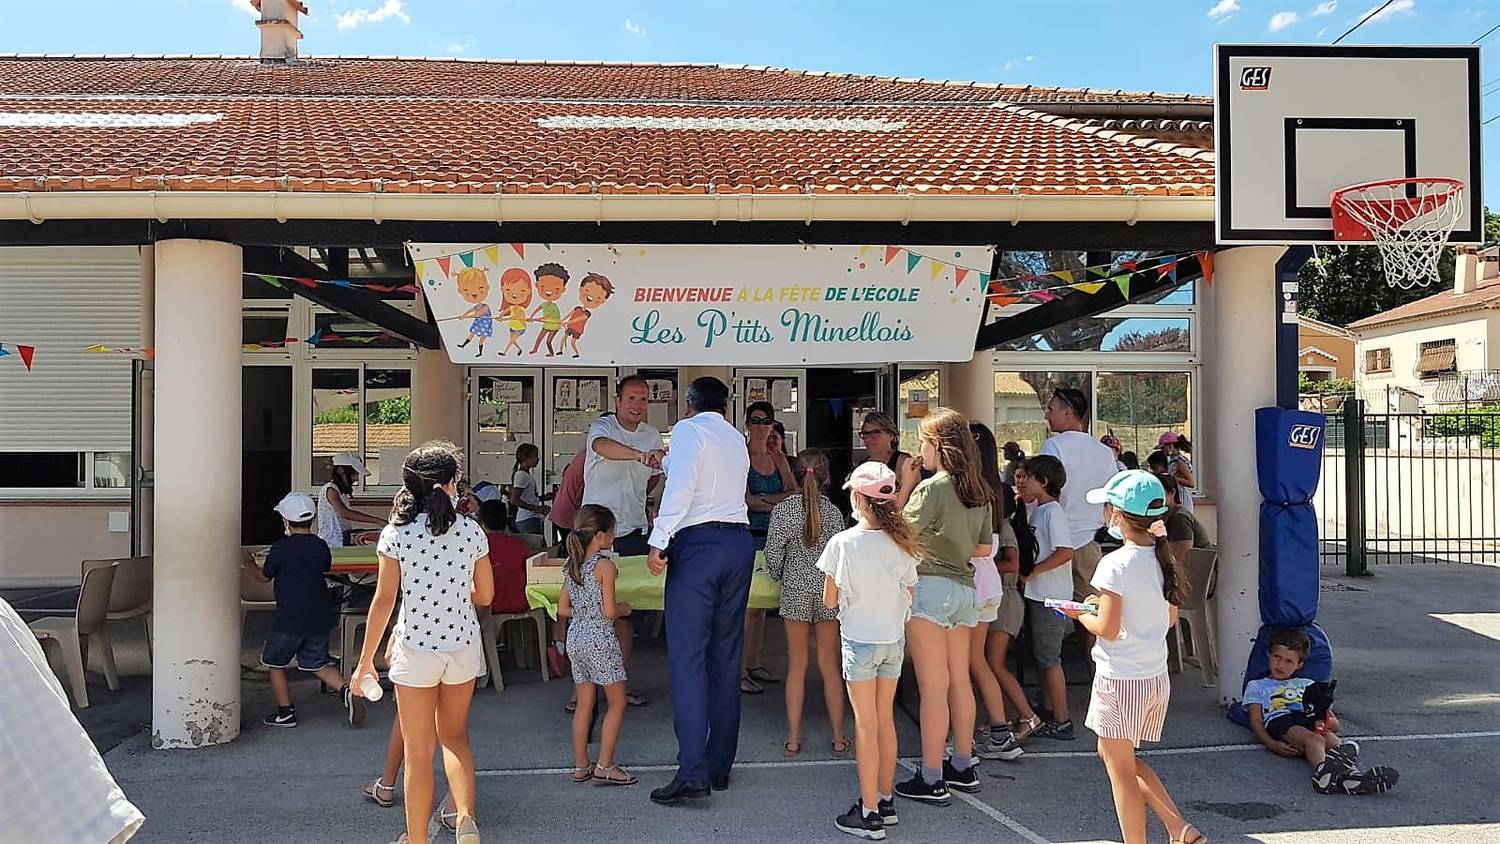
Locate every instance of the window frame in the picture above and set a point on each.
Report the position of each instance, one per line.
(302, 450)
(1433, 345)
(1376, 352)
(85, 492)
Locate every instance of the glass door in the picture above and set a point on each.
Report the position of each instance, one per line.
(785, 389)
(575, 398)
(505, 411)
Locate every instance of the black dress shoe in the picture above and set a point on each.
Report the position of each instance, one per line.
(720, 783)
(677, 791)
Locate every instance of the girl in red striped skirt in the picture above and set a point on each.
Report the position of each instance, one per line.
(1138, 589)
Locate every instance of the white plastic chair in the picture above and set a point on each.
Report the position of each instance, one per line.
(490, 626)
(1201, 569)
(65, 632)
(352, 629)
(129, 598)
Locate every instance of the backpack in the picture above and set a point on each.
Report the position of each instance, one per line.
(1025, 540)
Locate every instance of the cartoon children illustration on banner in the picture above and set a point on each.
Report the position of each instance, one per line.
(474, 287)
(515, 289)
(593, 291)
(551, 284)
(516, 293)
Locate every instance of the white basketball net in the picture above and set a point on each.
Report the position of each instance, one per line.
(1408, 220)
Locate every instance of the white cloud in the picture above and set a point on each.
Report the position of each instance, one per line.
(457, 47)
(634, 28)
(1325, 8)
(1396, 8)
(359, 17)
(244, 6)
(1222, 8)
(1015, 63)
(1282, 20)
(1031, 58)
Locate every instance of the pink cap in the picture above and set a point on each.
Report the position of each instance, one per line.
(873, 480)
(1168, 438)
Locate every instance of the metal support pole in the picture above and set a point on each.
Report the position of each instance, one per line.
(1354, 488)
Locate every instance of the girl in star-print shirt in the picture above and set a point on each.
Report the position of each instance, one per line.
(439, 560)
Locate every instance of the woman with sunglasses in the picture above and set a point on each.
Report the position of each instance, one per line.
(882, 441)
(769, 483)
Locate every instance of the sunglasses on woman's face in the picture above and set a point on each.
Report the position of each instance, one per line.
(868, 434)
(760, 420)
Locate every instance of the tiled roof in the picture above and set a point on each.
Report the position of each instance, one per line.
(339, 437)
(443, 126)
(1438, 304)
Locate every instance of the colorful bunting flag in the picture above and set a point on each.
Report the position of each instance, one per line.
(1000, 300)
(1065, 275)
(26, 353)
(1123, 282)
(1090, 287)
(984, 280)
(937, 269)
(1101, 272)
(444, 263)
(493, 253)
(272, 280)
(891, 252)
(958, 275)
(520, 250)
(864, 249)
(340, 282)
(912, 260)
(467, 258)
(1041, 295)
(306, 282)
(1206, 261)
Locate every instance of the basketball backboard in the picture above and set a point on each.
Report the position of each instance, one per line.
(1294, 123)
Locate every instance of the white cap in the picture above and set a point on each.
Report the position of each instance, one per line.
(486, 491)
(296, 507)
(351, 460)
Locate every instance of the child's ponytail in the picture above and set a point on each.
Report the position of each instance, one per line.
(888, 518)
(427, 469)
(592, 520)
(814, 480)
(1173, 583)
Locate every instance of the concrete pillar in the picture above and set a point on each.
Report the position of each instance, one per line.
(1240, 377)
(196, 671)
(438, 409)
(688, 374)
(971, 388)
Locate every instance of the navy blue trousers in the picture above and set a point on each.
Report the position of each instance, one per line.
(708, 583)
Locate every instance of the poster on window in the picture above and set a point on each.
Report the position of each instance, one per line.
(530, 304)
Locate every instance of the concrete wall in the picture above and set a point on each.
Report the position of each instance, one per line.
(1472, 332)
(44, 542)
(1415, 497)
(1339, 346)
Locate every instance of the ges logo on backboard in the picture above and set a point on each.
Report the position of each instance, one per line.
(1255, 79)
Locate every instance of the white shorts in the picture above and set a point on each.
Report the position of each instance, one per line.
(425, 669)
(1133, 710)
(989, 612)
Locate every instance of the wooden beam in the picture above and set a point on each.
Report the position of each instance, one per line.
(351, 302)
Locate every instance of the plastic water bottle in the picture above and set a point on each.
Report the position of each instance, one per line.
(371, 688)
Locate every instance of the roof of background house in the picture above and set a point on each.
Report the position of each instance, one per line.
(1011, 384)
(1324, 327)
(187, 123)
(1446, 303)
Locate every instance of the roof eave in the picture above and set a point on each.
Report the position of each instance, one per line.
(1374, 322)
(469, 207)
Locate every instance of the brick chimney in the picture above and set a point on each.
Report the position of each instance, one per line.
(278, 28)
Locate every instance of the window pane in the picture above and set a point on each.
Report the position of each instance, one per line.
(1108, 334)
(111, 469)
(265, 327)
(1138, 407)
(337, 331)
(255, 287)
(917, 394)
(335, 428)
(387, 424)
(1020, 401)
(497, 435)
(44, 469)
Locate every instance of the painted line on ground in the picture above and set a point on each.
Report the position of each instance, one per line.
(1044, 754)
(987, 810)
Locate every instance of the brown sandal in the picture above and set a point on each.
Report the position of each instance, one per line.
(1182, 836)
(787, 751)
(842, 745)
(609, 777)
(583, 775)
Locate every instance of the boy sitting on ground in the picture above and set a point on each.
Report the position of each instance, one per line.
(296, 565)
(1293, 716)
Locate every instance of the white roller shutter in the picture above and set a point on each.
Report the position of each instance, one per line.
(62, 300)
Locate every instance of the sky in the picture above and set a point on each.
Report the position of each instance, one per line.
(1146, 45)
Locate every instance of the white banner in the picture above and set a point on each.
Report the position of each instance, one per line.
(532, 304)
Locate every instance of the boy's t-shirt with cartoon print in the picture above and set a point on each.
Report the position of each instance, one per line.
(551, 316)
(577, 320)
(1277, 697)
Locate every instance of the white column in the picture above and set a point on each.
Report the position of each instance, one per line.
(438, 410)
(1240, 377)
(971, 388)
(195, 603)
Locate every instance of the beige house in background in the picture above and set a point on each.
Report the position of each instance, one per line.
(1324, 351)
(1444, 348)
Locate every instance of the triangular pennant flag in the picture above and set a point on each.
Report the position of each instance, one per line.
(315, 339)
(547, 246)
(998, 286)
(891, 252)
(864, 249)
(330, 337)
(984, 280)
(1090, 287)
(958, 275)
(520, 250)
(467, 258)
(1000, 300)
(1206, 261)
(306, 282)
(1101, 272)
(407, 288)
(1042, 295)
(271, 280)
(493, 253)
(96, 348)
(912, 260)
(380, 288)
(444, 263)
(1065, 275)
(3, 352)
(1123, 282)
(341, 282)
(1164, 269)
(937, 269)
(27, 353)
(1127, 265)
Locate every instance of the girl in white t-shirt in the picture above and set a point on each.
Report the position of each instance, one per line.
(870, 575)
(1138, 589)
(525, 501)
(439, 560)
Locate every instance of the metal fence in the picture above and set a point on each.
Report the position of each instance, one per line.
(1410, 487)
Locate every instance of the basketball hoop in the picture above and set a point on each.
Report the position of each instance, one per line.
(1408, 219)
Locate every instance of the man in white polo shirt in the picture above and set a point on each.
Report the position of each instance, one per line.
(624, 464)
(1089, 464)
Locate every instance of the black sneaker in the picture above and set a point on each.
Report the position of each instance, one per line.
(1346, 755)
(917, 788)
(1001, 745)
(1057, 731)
(1377, 780)
(857, 823)
(887, 809)
(354, 706)
(281, 719)
(960, 780)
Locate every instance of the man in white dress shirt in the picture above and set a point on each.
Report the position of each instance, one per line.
(623, 464)
(702, 540)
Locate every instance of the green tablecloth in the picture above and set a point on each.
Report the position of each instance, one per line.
(637, 586)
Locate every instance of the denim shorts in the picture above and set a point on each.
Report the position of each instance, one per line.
(311, 651)
(1048, 629)
(945, 602)
(867, 661)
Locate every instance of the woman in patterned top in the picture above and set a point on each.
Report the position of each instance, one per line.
(800, 527)
(439, 560)
(589, 601)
